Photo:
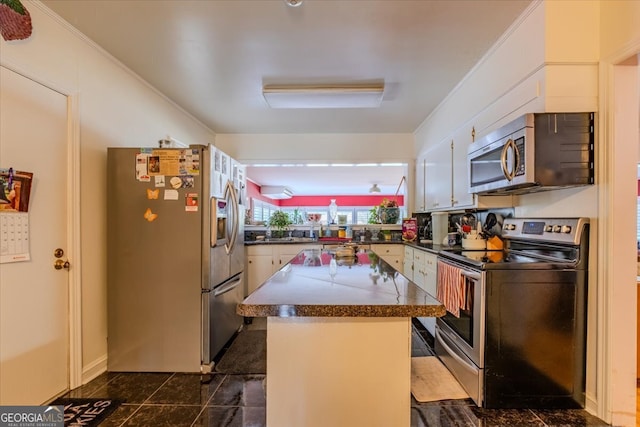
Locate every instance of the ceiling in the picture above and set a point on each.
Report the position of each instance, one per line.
(212, 57)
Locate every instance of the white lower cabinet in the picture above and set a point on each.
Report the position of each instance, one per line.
(407, 263)
(425, 275)
(392, 253)
(259, 266)
(264, 260)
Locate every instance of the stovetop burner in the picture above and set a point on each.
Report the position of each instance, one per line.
(532, 244)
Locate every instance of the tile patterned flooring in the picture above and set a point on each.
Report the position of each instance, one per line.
(178, 399)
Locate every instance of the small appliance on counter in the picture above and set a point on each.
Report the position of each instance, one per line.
(440, 221)
(425, 234)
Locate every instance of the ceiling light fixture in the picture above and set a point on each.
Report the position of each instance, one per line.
(374, 189)
(276, 191)
(293, 3)
(323, 96)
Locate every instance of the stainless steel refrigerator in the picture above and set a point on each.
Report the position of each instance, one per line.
(175, 258)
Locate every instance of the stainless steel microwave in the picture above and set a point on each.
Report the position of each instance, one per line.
(536, 152)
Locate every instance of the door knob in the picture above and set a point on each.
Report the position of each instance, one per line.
(60, 264)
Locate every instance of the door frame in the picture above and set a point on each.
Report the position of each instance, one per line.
(73, 220)
(617, 306)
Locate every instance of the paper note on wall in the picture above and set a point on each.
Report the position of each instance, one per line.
(14, 237)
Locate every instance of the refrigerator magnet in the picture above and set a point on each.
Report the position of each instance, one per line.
(150, 216)
(171, 194)
(159, 180)
(142, 173)
(191, 202)
(175, 182)
(152, 194)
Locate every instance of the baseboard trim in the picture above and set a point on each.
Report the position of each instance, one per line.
(94, 369)
(591, 406)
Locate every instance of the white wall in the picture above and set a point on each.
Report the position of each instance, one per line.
(115, 109)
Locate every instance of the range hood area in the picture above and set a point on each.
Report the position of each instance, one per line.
(276, 192)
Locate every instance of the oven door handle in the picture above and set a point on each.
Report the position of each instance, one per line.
(470, 367)
(471, 274)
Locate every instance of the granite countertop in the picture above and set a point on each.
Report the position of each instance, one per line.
(363, 286)
(430, 247)
(321, 241)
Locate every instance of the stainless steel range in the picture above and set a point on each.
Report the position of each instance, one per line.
(515, 330)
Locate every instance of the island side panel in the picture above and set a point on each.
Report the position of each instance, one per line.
(324, 371)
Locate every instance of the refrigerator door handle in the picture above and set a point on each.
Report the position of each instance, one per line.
(213, 221)
(230, 195)
(223, 289)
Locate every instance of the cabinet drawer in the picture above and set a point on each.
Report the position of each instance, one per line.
(408, 252)
(427, 259)
(392, 250)
(259, 250)
(293, 250)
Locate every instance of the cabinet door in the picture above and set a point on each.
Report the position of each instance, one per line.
(429, 280)
(418, 270)
(407, 264)
(430, 272)
(391, 253)
(419, 204)
(259, 269)
(438, 182)
(286, 253)
(460, 184)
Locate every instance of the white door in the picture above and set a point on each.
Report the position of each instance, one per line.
(34, 302)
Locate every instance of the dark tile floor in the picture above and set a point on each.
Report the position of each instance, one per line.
(177, 399)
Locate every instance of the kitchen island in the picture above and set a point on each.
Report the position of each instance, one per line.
(339, 340)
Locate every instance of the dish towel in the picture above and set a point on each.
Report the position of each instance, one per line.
(450, 289)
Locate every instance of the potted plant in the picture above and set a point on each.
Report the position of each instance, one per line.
(373, 216)
(280, 221)
(388, 211)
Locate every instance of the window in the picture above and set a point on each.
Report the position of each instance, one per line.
(362, 216)
(262, 210)
(355, 215)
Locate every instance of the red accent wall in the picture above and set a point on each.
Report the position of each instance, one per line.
(253, 192)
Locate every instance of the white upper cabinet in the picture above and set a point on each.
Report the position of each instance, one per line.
(460, 185)
(446, 180)
(438, 177)
(419, 198)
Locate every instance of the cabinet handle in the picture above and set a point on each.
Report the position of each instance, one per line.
(250, 261)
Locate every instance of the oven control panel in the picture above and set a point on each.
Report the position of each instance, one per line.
(561, 230)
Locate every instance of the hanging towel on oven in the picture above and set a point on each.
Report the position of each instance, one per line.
(451, 289)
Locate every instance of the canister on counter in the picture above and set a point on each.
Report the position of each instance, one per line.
(342, 232)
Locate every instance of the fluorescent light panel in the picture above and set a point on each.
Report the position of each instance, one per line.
(323, 96)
